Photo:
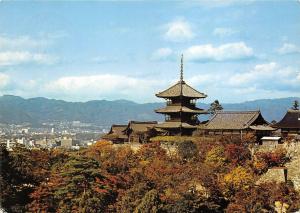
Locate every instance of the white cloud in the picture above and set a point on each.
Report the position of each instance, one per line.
(179, 31)
(21, 42)
(223, 31)
(104, 59)
(19, 57)
(162, 54)
(4, 80)
(106, 86)
(288, 48)
(269, 76)
(225, 52)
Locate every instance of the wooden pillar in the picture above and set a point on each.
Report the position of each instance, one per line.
(241, 135)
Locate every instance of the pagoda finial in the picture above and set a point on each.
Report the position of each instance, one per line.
(181, 68)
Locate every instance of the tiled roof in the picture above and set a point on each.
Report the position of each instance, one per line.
(174, 124)
(290, 120)
(234, 120)
(181, 88)
(140, 126)
(116, 131)
(262, 127)
(169, 109)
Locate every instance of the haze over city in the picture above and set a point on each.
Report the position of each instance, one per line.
(78, 51)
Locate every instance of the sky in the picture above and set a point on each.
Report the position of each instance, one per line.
(234, 51)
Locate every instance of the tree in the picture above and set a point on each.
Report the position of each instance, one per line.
(265, 198)
(237, 154)
(215, 106)
(84, 188)
(21, 171)
(150, 203)
(237, 179)
(215, 158)
(295, 105)
(194, 202)
(133, 197)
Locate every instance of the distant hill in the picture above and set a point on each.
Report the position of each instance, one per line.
(14, 109)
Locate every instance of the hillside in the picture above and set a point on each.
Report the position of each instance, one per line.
(14, 109)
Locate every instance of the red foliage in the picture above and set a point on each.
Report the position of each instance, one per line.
(237, 154)
(152, 150)
(276, 158)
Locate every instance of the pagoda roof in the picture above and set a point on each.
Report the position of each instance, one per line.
(175, 124)
(236, 120)
(171, 109)
(291, 120)
(181, 89)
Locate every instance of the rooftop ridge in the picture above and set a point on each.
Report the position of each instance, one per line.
(142, 122)
(294, 110)
(236, 111)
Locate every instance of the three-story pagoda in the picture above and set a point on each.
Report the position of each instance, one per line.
(181, 113)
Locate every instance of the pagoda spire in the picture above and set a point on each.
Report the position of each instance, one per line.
(181, 68)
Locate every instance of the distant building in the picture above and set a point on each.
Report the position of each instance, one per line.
(42, 142)
(68, 142)
(238, 123)
(116, 134)
(290, 123)
(180, 111)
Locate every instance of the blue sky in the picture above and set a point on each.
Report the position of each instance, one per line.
(234, 51)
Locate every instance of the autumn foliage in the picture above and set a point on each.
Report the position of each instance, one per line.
(201, 176)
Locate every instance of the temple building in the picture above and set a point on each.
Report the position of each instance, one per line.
(140, 131)
(238, 123)
(180, 110)
(290, 123)
(116, 134)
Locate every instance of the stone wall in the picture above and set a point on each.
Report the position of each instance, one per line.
(293, 167)
(277, 174)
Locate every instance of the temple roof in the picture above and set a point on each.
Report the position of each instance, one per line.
(236, 120)
(140, 126)
(116, 131)
(116, 128)
(181, 89)
(174, 124)
(262, 127)
(290, 120)
(170, 109)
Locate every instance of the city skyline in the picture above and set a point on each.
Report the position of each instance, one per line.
(80, 51)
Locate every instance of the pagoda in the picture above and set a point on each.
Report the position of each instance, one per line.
(181, 113)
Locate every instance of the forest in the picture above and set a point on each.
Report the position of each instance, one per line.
(201, 176)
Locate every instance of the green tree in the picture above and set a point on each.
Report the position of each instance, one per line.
(295, 105)
(132, 197)
(215, 106)
(150, 203)
(193, 202)
(21, 171)
(84, 189)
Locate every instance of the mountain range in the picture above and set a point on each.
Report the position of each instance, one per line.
(17, 110)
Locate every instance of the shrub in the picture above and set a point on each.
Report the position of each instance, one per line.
(274, 158)
(187, 150)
